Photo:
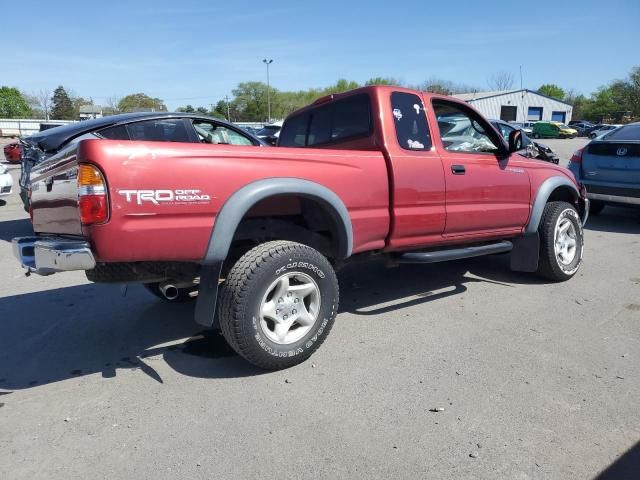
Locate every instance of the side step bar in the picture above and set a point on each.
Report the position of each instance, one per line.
(435, 256)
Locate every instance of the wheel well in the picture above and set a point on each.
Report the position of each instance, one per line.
(296, 218)
(563, 194)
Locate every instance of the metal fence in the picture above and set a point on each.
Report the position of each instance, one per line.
(21, 127)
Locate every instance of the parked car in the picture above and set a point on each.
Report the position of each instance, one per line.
(356, 174)
(602, 129)
(552, 130)
(539, 150)
(583, 128)
(609, 168)
(270, 133)
(526, 127)
(6, 182)
(12, 152)
(150, 126)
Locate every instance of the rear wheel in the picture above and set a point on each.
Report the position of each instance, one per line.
(278, 304)
(561, 241)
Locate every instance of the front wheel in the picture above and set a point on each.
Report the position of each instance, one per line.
(561, 241)
(278, 304)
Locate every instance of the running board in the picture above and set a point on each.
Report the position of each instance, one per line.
(455, 253)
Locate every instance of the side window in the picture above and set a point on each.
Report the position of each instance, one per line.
(351, 117)
(410, 121)
(460, 131)
(209, 132)
(505, 130)
(336, 121)
(119, 132)
(294, 131)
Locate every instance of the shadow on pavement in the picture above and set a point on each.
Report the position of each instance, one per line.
(15, 228)
(58, 334)
(615, 219)
(625, 467)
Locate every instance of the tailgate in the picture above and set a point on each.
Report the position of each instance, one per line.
(54, 194)
(613, 162)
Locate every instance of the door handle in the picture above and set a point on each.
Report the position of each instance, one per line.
(458, 169)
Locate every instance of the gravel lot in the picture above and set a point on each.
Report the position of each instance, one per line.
(536, 380)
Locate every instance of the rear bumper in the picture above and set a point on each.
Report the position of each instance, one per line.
(48, 255)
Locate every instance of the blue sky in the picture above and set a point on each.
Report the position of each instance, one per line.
(195, 52)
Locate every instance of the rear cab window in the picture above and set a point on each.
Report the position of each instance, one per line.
(338, 121)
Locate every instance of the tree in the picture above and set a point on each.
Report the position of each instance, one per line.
(383, 81)
(140, 102)
(202, 111)
(111, 106)
(187, 109)
(500, 81)
(61, 105)
(79, 102)
(13, 104)
(551, 90)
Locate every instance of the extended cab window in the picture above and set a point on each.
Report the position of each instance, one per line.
(159, 130)
(410, 121)
(210, 132)
(461, 131)
(336, 121)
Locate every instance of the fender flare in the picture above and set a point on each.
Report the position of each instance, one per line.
(543, 194)
(230, 216)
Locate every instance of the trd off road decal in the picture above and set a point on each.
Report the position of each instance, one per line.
(169, 197)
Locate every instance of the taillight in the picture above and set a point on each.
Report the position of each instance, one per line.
(577, 156)
(93, 203)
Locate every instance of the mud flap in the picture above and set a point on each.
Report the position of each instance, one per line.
(208, 295)
(526, 253)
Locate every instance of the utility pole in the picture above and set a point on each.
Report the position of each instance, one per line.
(523, 93)
(226, 97)
(267, 63)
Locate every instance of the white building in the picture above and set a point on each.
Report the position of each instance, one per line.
(518, 106)
(90, 111)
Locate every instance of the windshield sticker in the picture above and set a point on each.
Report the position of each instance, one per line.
(417, 108)
(167, 197)
(397, 113)
(415, 144)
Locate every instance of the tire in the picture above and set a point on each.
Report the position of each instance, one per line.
(183, 293)
(278, 274)
(596, 207)
(560, 263)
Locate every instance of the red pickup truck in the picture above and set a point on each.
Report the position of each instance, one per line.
(256, 233)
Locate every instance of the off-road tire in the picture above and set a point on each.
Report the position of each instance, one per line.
(183, 293)
(242, 293)
(549, 266)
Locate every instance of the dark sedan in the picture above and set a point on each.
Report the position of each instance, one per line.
(149, 126)
(609, 168)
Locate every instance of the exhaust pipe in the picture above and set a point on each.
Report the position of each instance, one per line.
(169, 291)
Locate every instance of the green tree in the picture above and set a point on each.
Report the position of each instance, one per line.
(13, 104)
(250, 101)
(61, 105)
(137, 102)
(187, 109)
(383, 81)
(551, 90)
(202, 111)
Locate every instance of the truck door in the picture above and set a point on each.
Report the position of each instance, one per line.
(487, 190)
(416, 174)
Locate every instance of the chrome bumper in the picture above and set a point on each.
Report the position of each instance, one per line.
(47, 255)
(614, 198)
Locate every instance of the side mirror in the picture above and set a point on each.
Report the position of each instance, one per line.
(515, 141)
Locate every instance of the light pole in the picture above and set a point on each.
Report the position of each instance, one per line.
(267, 63)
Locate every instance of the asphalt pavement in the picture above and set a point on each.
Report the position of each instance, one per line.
(460, 370)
